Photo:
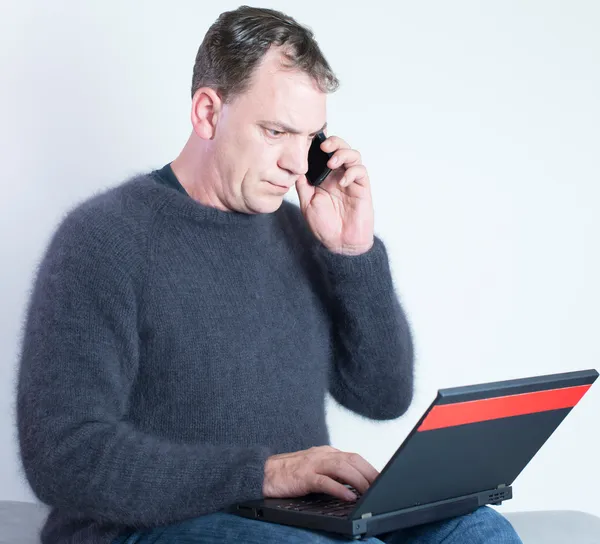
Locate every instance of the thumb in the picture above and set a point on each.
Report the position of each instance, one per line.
(305, 192)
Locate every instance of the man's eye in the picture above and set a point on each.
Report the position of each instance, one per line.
(274, 133)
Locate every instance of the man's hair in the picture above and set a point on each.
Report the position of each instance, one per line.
(237, 41)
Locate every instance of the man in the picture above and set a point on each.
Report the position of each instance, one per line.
(185, 326)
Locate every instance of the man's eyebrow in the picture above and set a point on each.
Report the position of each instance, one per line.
(291, 130)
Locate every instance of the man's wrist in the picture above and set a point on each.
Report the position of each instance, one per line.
(352, 251)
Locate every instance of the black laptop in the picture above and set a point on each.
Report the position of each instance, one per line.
(465, 452)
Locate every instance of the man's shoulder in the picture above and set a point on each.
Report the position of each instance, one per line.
(128, 202)
(117, 219)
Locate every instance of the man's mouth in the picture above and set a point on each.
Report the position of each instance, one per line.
(282, 187)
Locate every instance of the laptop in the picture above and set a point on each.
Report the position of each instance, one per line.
(465, 452)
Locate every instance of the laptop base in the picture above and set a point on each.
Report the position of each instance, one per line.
(372, 525)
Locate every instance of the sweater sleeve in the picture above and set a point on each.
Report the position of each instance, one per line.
(79, 358)
(372, 373)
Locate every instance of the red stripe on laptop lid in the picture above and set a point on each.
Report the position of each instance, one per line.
(463, 413)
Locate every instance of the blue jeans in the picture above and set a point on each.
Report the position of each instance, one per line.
(484, 525)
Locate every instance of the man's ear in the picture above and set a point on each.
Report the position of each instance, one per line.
(206, 109)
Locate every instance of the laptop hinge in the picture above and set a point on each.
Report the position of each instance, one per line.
(367, 515)
(501, 486)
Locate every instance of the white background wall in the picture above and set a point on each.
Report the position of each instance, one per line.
(479, 123)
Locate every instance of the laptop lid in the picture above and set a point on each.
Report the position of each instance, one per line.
(473, 439)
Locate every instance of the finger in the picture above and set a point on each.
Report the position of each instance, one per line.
(333, 143)
(355, 174)
(366, 469)
(344, 157)
(338, 467)
(305, 192)
(284, 455)
(324, 484)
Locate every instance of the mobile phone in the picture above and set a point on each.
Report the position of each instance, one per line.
(317, 161)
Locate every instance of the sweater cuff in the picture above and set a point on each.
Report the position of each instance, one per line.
(354, 268)
(253, 474)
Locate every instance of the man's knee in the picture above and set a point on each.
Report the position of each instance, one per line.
(488, 525)
(485, 525)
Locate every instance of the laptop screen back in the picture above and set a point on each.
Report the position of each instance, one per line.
(474, 439)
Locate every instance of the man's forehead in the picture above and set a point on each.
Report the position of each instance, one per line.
(293, 112)
(289, 97)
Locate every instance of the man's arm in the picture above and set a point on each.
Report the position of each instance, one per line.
(373, 348)
(79, 359)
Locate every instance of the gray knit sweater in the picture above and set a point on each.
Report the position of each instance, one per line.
(169, 348)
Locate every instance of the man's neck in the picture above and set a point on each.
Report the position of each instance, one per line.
(198, 178)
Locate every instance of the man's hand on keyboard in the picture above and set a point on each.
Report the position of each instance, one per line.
(318, 470)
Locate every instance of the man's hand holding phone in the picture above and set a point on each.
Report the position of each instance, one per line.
(339, 208)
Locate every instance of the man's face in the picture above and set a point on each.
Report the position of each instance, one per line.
(263, 136)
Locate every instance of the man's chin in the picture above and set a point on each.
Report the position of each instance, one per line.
(272, 204)
(267, 204)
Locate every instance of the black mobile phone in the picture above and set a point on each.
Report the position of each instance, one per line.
(317, 161)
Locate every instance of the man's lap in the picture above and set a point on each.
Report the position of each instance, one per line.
(484, 525)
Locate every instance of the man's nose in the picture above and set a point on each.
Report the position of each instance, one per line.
(295, 158)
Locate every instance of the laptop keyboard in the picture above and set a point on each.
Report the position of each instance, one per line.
(325, 507)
